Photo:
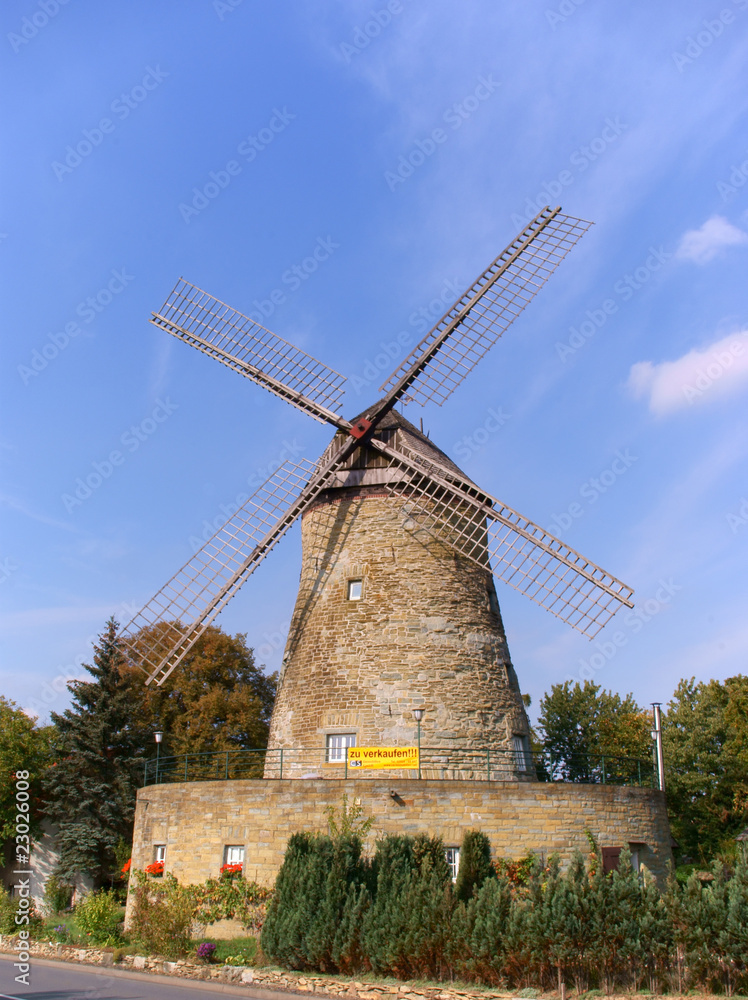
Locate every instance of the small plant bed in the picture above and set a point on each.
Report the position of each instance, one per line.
(236, 951)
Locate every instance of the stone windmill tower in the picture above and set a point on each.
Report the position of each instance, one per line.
(397, 608)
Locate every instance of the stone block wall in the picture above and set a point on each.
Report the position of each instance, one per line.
(196, 820)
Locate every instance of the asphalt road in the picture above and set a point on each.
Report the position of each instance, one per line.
(51, 980)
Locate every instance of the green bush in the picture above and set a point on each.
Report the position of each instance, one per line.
(8, 910)
(99, 917)
(475, 864)
(57, 895)
(311, 894)
(162, 914)
(530, 927)
(232, 899)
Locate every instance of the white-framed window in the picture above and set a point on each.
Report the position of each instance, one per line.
(521, 747)
(335, 746)
(452, 854)
(635, 846)
(159, 852)
(233, 854)
(355, 590)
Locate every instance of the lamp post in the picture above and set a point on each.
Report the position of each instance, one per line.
(418, 715)
(657, 737)
(158, 737)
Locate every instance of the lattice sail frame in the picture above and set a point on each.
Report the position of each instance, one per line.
(193, 597)
(451, 508)
(470, 328)
(211, 326)
(519, 552)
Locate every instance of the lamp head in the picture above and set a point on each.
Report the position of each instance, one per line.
(418, 714)
(158, 737)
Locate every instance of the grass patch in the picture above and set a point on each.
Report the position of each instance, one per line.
(236, 951)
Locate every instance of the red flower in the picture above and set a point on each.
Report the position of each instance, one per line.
(126, 866)
(231, 869)
(157, 868)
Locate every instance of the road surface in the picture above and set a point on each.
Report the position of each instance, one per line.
(50, 980)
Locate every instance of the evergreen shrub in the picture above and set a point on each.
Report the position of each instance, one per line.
(527, 926)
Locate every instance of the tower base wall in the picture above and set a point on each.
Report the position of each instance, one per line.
(198, 820)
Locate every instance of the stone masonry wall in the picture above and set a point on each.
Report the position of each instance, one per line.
(426, 632)
(196, 820)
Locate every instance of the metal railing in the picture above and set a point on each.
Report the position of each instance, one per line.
(446, 763)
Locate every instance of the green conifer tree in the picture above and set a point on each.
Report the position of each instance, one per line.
(91, 789)
(654, 945)
(282, 934)
(734, 939)
(385, 924)
(486, 918)
(475, 864)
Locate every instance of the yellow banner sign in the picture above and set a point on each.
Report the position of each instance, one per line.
(383, 757)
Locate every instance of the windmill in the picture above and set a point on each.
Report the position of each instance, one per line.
(397, 607)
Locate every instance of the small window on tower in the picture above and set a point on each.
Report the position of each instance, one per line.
(522, 756)
(355, 590)
(233, 854)
(452, 854)
(336, 746)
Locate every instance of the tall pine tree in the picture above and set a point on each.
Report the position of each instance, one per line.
(91, 789)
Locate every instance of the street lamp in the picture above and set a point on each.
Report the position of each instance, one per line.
(158, 737)
(657, 737)
(418, 715)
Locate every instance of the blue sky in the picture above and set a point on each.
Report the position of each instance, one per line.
(621, 390)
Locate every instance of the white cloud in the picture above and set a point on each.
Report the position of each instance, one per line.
(700, 245)
(714, 371)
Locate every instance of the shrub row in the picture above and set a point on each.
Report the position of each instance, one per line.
(397, 913)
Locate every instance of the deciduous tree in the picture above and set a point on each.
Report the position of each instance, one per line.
(705, 737)
(579, 724)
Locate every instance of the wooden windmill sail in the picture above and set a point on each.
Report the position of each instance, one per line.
(386, 511)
